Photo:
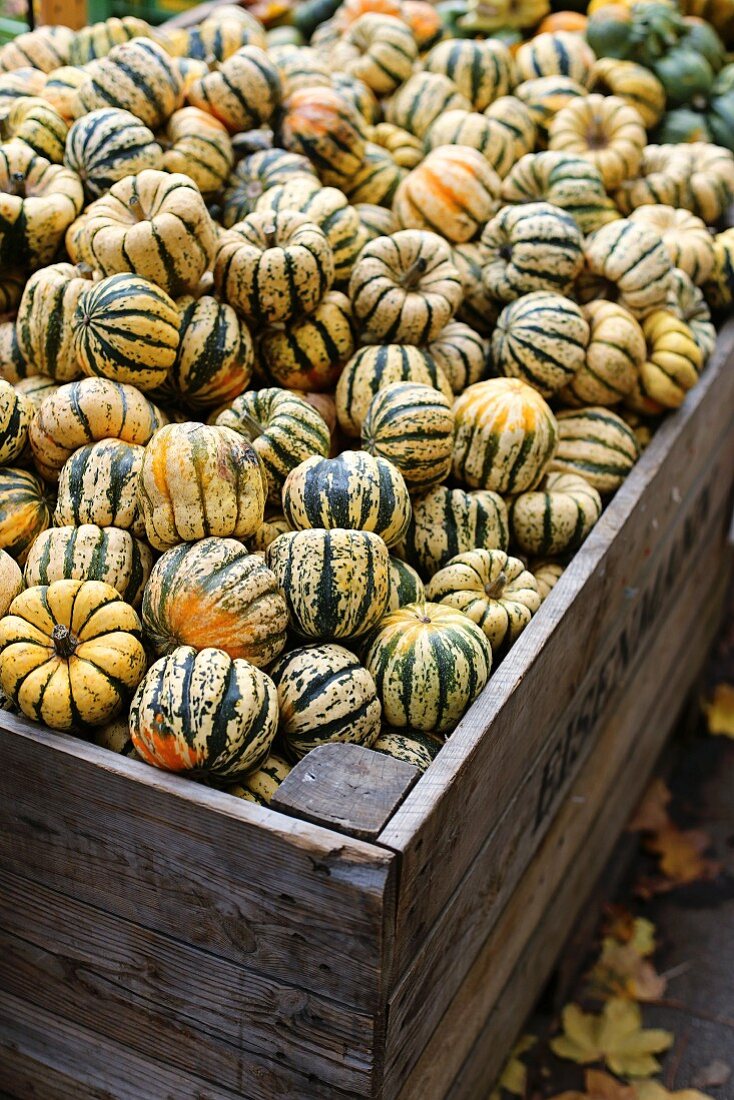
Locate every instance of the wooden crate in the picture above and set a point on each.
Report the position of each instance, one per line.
(164, 940)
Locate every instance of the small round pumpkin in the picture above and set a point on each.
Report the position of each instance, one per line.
(633, 83)
(108, 144)
(475, 131)
(11, 581)
(24, 511)
(309, 353)
(541, 339)
(674, 359)
(372, 369)
(15, 416)
(215, 354)
(44, 322)
(686, 238)
(412, 747)
(453, 192)
(516, 119)
(260, 786)
(597, 444)
(614, 355)
(447, 522)
(556, 518)
(91, 553)
(569, 182)
(544, 97)
(377, 179)
(461, 353)
(138, 76)
(99, 484)
(629, 263)
(412, 426)
(38, 203)
(405, 585)
(559, 53)
(378, 49)
(547, 574)
(535, 246)
(405, 148)
(322, 125)
(254, 175)
(605, 130)
(481, 70)
(44, 48)
(687, 302)
(38, 124)
(242, 93)
(198, 146)
(421, 100)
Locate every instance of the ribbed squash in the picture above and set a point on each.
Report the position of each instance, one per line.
(542, 339)
(517, 121)
(429, 663)
(557, 518)
(662, 177)
(547, 574)
(15, 417)
(354, 491)
(38, 203)
(260, 786)
(378, 49)
(496, 591)
(39, 125)
(255, 174)
(604, 130)
(299, 67)
(108, 144)
(224, 32)
(569, 182)
(505, 436)
(198, 146)
(709, 189)
(324, 696)
(24, 511)
(202, 712)
(308, 354)
(70, 653)
(44, 48)
(629, 263)
(91, 553)
(13, 366)
(687, 302)
(356, 93)
(674, 359)
(545, 97)
(36, 388)
(405, 585)
(470, 129)
(60, 89)
(98, 39)
(284, 429)
(452, 192)
(614, 355)
(323, 126)
(447, 522)
(535, 246)
(273, 525)
(633, 83)
(138, 76)
(377, 366)
(414, 748)
(598, 445)
(215, 354)
(421, 100)
(719, 287)
(11, 581)
(412, 426)
(44, 323)
(461, 353)
(243, 92)
(99, 484)
(405, 148)
(477, 309)
(213, 593)
(336, 583)
(86, 411)
(481, 70)
(686, 238)
(197, 481)
(377, 179)
(562, 53)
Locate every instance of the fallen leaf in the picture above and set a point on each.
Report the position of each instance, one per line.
(600, 1086)
(620, 971)
(653, 1090)
(652, 812)
(615, 1037)
(715, 1074)
(514, 1074)
(638, 932)
(720, 711)
(681, 854)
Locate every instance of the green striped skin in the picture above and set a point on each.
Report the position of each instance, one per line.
(98, 39)
(15, 416)
(421, 100)
(219, 36)
(40, 126)
(24, 511)
(290, 431)
(353, 491)
(461, 353)
(213, 593)
(569, 182)
(325, 696)
(674, 360)
(633, 83)
(615, 353)
(99, 484)
(405, 585)
(260, 786)
(358, 95)
(204, 713)
(505, 436)
(137, 76)
(309, 353)
(481, 70)
(336, 583)
(45, 48)
(484, 134)
(378, 50)
(597, 444)
(376, 220)
(38, 203)
(91, 553)
(412, 426)
(477, 309)
(16, 85)
(200, 147)
(719, 287)
(254, 175)
(60, 90)
(242, 93)
(273, 525)
(535, 246)
(709, 178)
(36, 388)
(108, 144)
(299, 67)
(497, 592)
(377, 179)
(633, 262)
(547, 575)
(215, 354)
(44, 322)
(13, 365)
(542, 339)
(414, 748)
(376, 366)
(322, 125)
(406, 149)
(274, 267)
(562, 53)
(452, 192)
(661, 178)
(544, 97)
(447, 522)
(557, 518)
(429, 663)
(513, 115)
(687, 302)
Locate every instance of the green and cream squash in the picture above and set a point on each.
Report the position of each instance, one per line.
(405, 148)
(447, 522)
(336, 583)
(662, 178)
(372, 369)
(461, 353)
(477, 309)
(11, 581)
(709, 187)
(322, 125)
(98, 39)
(569, 182)
(516, 120)
(674, 359)
(429, 663)
(199, 480)
(597, 444)
(198, 146)
(606, 131)
(138, 76)
(452, 192)
(222, 33)
(541, 339)
(273, 525)
(547, 575)
(412, 426)
(213, 593)
(105, 145)
(255, 174)
(405, 585)
(545, 97)
(534, 246)
(215, 354)
(421, 100)
(614, 355)
(45, 48)
(688, 302)
(377, 49)
(99, 484)
(39, 125)
(377, 179)
(243, 92)
(324, 696)
(686, 238)
(44, 322)
(628, 262)
(16, 413)
(24, 511)
(636, 85)
(556, 518)
(354, 491)
(559, 53)
(60, 90)
(19, 84)
(719, 287)
(202, 712)
(495, 590)
(468, 128)
(359, 96)
(481, 70)
(299, 67)
(38, 203)
(91, 553)
(308, 354)
(260, 786)
(414, 748)
(13, 365)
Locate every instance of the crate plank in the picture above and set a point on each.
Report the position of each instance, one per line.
(283, 897)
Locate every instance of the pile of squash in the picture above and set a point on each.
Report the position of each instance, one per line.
(319, 362)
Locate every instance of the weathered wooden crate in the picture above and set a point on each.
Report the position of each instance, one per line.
(164, 940)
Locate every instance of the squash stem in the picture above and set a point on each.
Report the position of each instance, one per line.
(497, 587)
(415, 273)
(64, 641)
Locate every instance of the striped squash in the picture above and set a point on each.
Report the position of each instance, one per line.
(405, 148)
(461, 353)
(674, 359)
(547, 575)
(353, 491)
(11, 582)
(687, 302)
(325, 696)
(358, 95)
(126, 329)
(91, 553)
(273, 525)
(322, 125)
(260, 786)
(481, 70)
(36, 389)
(70, 653)
(378, 49)
(606, 131)
(376, 366)
(377, 221)
(515, 118)
(429, 663)
(256, 260)
(719, 287)
(569, 182)
(541, 339)
(505, 436)
(686, 238)
(468, 128)
(204, 713)
(284, 429)
(559, 53)
(243, 92)
(198, 146)
(631, 265)
(44, 322)
(534, 246)
(60, 89)
(24, 511)
(709, 188)
(138, 76)
(377, 179)
(15, 416)
(20, 83)
(495, 590)
(317, 571)
(190, 70)
(447, 522)
(215, 353)
(99, 484)
(254, 175)
(13, 365)
(411, 425)
(662, 177)
(198, 480)
(309, 353)
(84, 412)
(544, 98)
(38, 203)
(45, 48)
(39, 125)
(477, 309)
(115, 737)
(405, 585)
(452, 192)
(557, 518)
(414, 748)
(404, 288)
(614, 355)
(633, 83)
(223, 33)
(597, 444)
(421, 100)
(213, 593)
(98, 39)
(299, 67)
(108, 144)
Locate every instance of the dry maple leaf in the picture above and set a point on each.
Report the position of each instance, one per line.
(600, 1086)
(652, 812)
(620, 971)
(514, 1074)
(638, 932)
(653, 1090)
(681, 854)
(615, 1037)
(720, 711)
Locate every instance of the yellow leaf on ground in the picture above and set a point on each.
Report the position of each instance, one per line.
(652, 812)
(600, 1086)
(621, 972)
(638, 932)
(514, 1074)
(720, 711)
(653, 1090)
(615, 1037)
(681, 854)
